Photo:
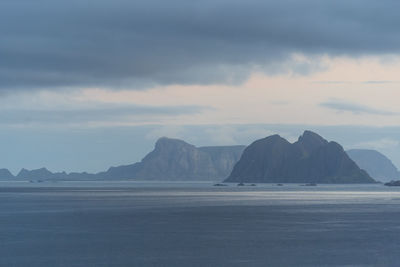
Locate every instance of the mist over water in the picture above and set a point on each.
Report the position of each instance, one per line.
(197, 224)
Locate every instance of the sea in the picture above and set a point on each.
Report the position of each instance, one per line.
(127, 223)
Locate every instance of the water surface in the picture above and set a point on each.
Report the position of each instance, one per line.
(196, 224)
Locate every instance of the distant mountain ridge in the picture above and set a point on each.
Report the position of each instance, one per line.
(311, 159)
(171, 159)
(43, 173)
(375, 163)
(5, 174)
(174, 159)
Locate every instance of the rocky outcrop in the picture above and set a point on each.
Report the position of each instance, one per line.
(311, 159)
(174, 159)
(375, 163)
(393, 183)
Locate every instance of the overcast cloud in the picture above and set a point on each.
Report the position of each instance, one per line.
(264, 67)
(49, 44)
(110, 114)
(345, 106)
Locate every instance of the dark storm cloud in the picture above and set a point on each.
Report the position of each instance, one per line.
(339, 105)
(100, 113)
(121, 43)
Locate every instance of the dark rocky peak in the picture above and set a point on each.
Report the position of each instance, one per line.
(311, 159)
(275, 139)
(336, 145)
(270, 144)
(310, 141)
(271, 138)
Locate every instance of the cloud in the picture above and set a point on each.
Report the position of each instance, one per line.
(99, 113)
(49, 44)
(344, 106)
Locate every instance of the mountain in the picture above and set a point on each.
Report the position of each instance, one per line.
(375, 163)
(223, 157)
(45, 174)
(5, 174)
(171, 159)
(120, 172)
(311, 159)
(42, 173)
(174, 159)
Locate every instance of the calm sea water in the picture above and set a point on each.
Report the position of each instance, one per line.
(197, 224)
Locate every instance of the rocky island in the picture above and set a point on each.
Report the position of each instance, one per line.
(311, 159)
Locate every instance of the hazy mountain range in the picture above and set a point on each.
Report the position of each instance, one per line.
(375, 163)
(174, 159)
(272, 159)
(171, 159)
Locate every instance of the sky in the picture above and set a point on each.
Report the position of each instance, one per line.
(87, 84)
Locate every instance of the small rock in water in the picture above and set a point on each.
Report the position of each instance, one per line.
(220, 184)
(393, 183)
(310, 184)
